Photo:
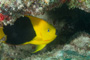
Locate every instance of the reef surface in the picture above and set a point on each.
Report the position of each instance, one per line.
(70, 17)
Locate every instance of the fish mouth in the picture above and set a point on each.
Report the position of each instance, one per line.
(46, 40)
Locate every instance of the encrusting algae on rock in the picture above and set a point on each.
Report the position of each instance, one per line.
(13, 10)
(81, 4)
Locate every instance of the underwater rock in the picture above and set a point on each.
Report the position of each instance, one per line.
(78, 49)
(10, 10)
(67, 23)
(81, 4)
(80, 43)
(13, 9)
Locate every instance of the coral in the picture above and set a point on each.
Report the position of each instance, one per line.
(13, 9)
(81, 4)
(81, 43)
(67, 22)
(1, 17)
(10, 10)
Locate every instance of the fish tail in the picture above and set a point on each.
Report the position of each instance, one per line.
(2, 35)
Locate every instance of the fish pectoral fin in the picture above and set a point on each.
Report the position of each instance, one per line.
(35, 41)
(39, 47)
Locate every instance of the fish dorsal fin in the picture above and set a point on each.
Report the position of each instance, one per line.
(39, 47)
(34, 20)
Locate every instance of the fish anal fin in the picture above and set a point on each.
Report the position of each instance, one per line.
(39, 47)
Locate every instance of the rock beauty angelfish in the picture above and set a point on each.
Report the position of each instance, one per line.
(29, 30)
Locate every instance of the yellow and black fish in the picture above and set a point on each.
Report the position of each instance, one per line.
(29, 30)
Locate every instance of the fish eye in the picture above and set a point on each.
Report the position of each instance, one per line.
(48, 30)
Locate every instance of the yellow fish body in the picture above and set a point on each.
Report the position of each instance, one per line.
(35, 31)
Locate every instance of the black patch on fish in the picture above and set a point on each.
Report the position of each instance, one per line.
(22, 31)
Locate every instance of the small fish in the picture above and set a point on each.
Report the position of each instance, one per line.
(29, 30)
